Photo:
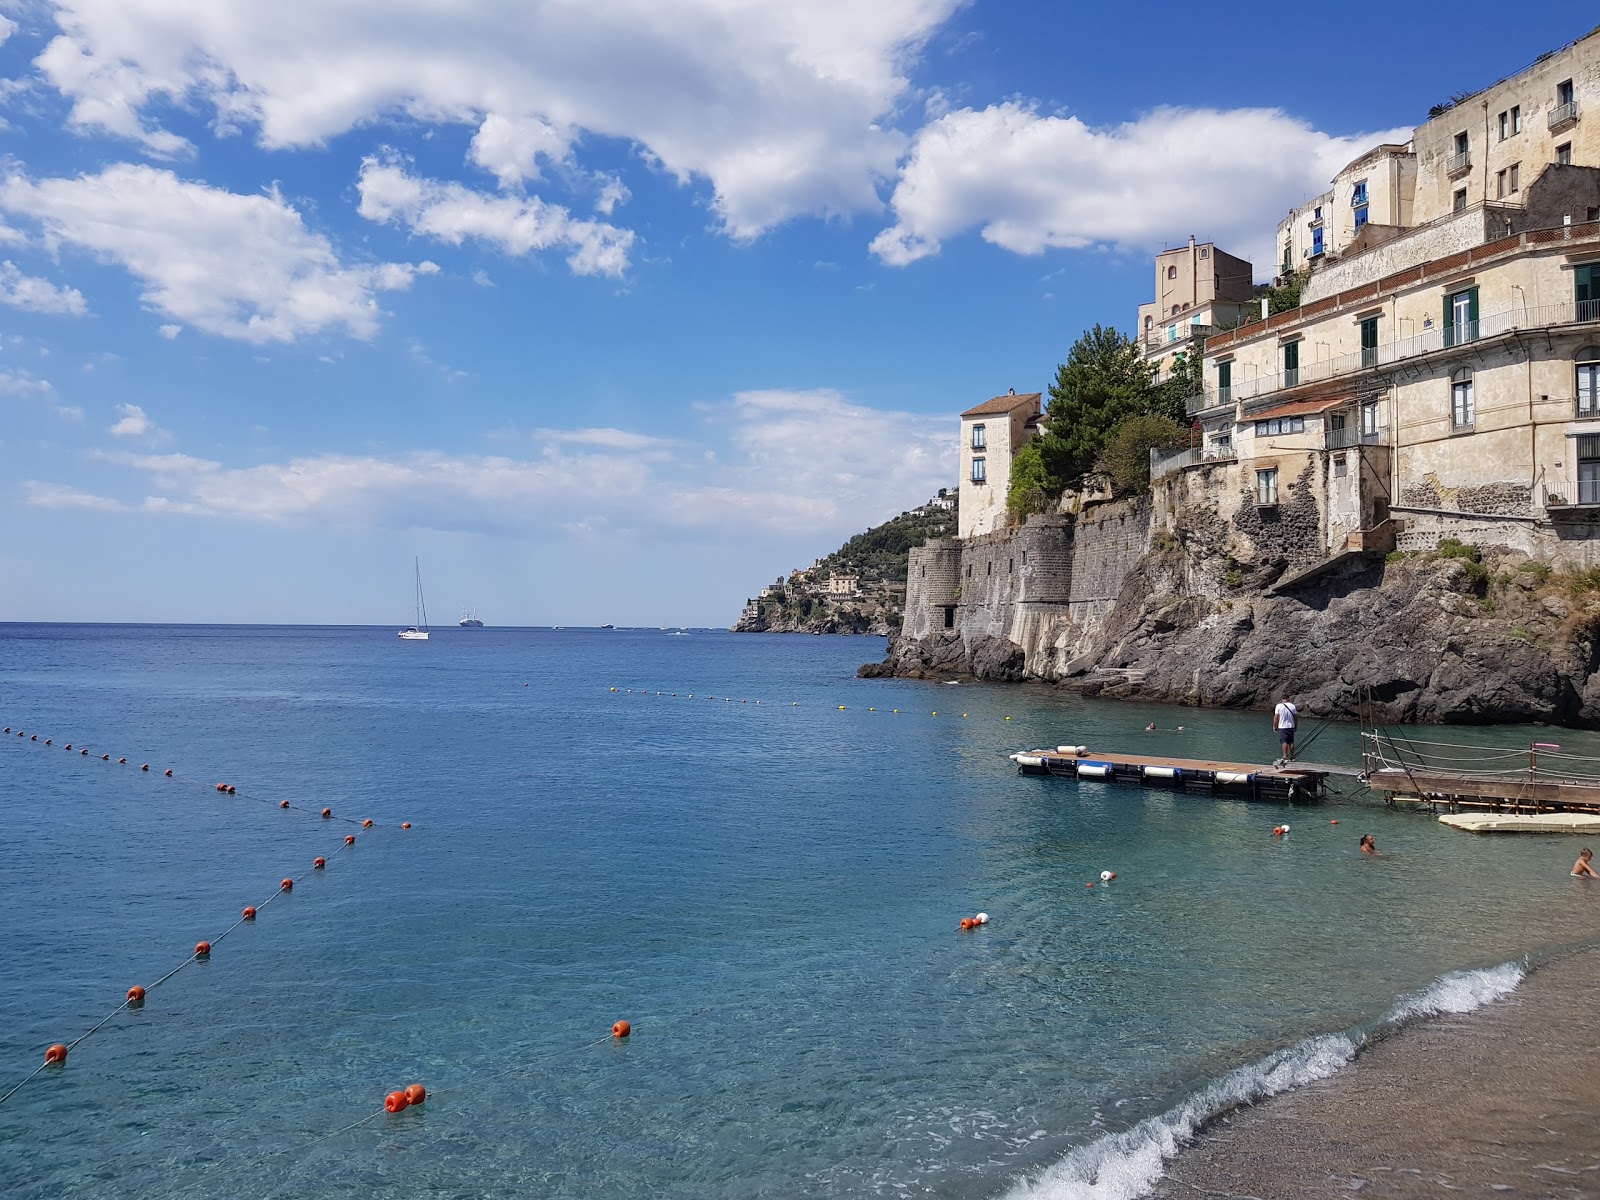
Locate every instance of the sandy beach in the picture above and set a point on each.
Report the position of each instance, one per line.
(1504, 1101)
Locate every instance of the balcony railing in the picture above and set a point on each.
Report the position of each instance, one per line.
(1544, 316)
(1165, 464)
(1457, 163)
(1157, 339)
(1572, 493)
(1563, 114)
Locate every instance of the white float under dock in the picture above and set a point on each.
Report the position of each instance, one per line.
(1292, 781)
(1523, 822)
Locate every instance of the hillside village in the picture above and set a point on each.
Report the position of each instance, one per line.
(1397, 438)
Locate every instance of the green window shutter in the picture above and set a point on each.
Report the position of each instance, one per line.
(1583, 279)
(1291, 356)
(1449, 319)
(1472, 301)
(1369, 334)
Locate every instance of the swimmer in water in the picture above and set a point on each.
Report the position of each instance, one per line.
(1369, 845)
(1584, 866)
(1150, 728)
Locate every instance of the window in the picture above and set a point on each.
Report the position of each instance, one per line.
(1589, 381)
(1338, 466)
(1336, 435)
(1462, 410)
(1369, 421)
(977, 437)
(1267, 488)
(1499, 185)
(1505, 126)
(1358, 196)
(1586, 291)
(1589, 469)
(1591, 213)
(1225, 382)
(1515, 168)
(1291, 363)
(1276, 425)
(949, 616)
(1461, 316)
(1564, 92)
(1174, 310)
(1461, 143)
(1316, 240)
(1172, 272)
(1516, 119)
(1205, 251)
(1369, 342)
(1459, 203)
(979, 471)
(1564, 154)
(1288, 258)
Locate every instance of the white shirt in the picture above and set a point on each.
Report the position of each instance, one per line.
(1284, 715)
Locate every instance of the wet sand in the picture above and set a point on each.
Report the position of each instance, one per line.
(1504, 1101)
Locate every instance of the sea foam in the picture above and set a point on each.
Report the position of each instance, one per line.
(1121, 1166)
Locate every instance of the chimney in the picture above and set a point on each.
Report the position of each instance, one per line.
(1266, 308)
(1013, 391)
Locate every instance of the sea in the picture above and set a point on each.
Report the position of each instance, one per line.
(757, 860)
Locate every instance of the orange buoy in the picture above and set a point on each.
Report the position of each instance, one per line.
(395, 1101)
(135, 995)
(105, 758)
(367, 824)
(222, 787)
(319, 862)
(349, 839)
(416, 1093)
(287, 885)
(85, 753)
(47, 741)
(621, 1029)
(56, 1055)
(122, 760)
(231, 789)
(69, 746)
(283, 804)
(326, 813)
(202, 949)
(144, 766)
(250, 912)
(967, 922)
(33, 737)
(405, 824)
(1335, 821)
(169, 772)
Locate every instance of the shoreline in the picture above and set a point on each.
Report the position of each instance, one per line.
(1505, 1098)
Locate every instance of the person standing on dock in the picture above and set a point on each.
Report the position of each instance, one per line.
(1284, 719)
(1585, 864)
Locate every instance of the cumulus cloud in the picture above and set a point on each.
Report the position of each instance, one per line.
(32, 294)
(240, 266)
(798, 463)
(16, 382)
(783, 109)
(515, 224)
(7, 28)
(134, 422)
(1030, 182)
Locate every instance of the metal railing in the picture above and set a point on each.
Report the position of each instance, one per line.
(1458, 162)
(1571, 493)
(1176, 460)
(1156, 339)
(1562, 113)
(1568, 312)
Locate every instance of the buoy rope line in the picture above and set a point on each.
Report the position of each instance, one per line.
(57, 1054)
(227, 788)
(871, 708)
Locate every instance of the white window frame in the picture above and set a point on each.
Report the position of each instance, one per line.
(1463, 405)
(978, 438)
(980, 471)
(1267, 487)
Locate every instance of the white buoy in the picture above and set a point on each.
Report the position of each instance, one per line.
(1107, 876)
(1286, 829)
(983, 918)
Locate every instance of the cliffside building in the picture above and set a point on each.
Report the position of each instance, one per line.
(990, 434)
(1199, 289)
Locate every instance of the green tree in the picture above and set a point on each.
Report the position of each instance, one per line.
(1125, 457)
(1187, 378)
(1103, 380)
(1032, 489)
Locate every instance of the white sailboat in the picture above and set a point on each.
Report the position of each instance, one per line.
(419, 629)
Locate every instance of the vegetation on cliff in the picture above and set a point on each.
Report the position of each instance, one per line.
(860, 587)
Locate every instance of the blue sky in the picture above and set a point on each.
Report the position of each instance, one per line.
(608, 311)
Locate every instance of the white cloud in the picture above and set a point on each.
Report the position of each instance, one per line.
(799, 464)
(783, 108)
(21, 383)
(516, 224)
(238, 266)
(7, 28)
(170, 331)
(32, 294)
(134, 422)
(55, 495)
(1030, 182)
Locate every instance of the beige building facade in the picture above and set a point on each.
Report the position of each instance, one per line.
(1199, 288)
(991, 433)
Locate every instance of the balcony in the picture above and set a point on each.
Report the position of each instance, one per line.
(1547, 316)
(1567, 495)
(1457, 163)
(1563, 115)
(1161, 339)
(1349, 438)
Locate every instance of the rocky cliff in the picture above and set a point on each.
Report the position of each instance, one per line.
(1456, 634)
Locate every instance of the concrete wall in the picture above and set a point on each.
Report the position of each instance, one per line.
(1457, 232)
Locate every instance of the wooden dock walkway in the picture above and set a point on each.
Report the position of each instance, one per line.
(1521, 792)
(1294, 781)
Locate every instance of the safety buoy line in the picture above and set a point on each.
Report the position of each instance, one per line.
(871, 708)
(194, 957)
(176, 778)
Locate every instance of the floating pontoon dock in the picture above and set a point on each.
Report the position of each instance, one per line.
(1293, 782)
(1539, 778)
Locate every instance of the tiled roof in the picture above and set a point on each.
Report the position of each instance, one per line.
(1302, 408)
(1003, 404)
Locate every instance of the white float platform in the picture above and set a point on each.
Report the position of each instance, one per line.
(1523, 822)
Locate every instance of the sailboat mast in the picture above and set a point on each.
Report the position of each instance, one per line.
(422, 607)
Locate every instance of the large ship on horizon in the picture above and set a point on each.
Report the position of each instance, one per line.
(469, 619)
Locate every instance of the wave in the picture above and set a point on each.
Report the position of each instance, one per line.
(1120, 1166)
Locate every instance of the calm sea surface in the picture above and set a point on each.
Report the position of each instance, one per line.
(769, 893)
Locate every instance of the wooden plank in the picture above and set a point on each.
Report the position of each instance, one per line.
(1184, 764)
(1512, 790)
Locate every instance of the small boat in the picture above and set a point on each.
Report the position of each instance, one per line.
(469, 619)
(608, 627)
(418, 631)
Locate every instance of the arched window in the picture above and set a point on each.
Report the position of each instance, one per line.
(1588, 367)
(1174, 310)
(1172, 272)
(1462, 409)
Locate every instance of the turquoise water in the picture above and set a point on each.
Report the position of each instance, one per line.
(768, 892)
